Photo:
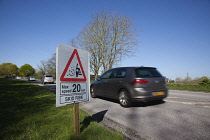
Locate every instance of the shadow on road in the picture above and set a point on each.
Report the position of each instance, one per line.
(97, 117)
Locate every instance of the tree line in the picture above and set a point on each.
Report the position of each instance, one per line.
(9, 69)
(196, 81)
(46, 67)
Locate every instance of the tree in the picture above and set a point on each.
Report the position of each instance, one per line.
(179, 80)
(48, 67)
(205, 82)
(8, 69)
(51, 65)
(107, 38)
(26, 70)
(42, 68)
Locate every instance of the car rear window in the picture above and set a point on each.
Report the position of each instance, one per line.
(147, 72)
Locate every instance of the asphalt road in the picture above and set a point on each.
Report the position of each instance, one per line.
(182, 116)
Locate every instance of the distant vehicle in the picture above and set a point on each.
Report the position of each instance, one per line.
(9, 77)
(130, 84)
(18, 77)
(6, 77)
(47, 79)
(31, 78)
(25, 77)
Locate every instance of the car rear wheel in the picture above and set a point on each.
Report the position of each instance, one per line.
(92, 93)
(124, 98)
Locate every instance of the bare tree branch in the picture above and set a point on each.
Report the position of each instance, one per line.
(108, 38)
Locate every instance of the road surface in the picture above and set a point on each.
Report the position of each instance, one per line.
(182, 116)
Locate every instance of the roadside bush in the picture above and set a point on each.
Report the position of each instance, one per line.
(196, 81)
(189, 87)
(205, 82)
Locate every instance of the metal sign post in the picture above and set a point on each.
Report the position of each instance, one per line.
(76, 119)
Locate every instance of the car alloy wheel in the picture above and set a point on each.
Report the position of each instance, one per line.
(92, 92)
(124, 99)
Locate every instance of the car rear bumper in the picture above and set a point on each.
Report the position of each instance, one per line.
(31, 79)
(48, 81)
(141, 95)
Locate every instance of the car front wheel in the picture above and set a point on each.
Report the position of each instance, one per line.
(124, 98)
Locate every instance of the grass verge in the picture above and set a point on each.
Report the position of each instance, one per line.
(28, 112)
(189, 87)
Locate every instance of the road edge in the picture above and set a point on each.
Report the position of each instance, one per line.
(127, 133)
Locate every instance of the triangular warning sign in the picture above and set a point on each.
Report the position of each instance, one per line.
(73, 70)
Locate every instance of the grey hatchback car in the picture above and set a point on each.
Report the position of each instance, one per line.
(130, 84)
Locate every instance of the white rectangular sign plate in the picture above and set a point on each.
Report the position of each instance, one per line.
(72, 75)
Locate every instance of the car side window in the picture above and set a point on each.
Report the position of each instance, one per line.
(118, 73)
(106, 75)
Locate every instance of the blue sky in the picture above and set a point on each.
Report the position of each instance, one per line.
(174, 35)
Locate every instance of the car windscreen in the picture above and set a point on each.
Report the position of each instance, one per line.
(49, 76)
(147, 72)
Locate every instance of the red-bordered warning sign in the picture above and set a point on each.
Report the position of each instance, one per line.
(73, 72)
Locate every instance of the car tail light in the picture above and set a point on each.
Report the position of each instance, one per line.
(140, 81)
(164, 80)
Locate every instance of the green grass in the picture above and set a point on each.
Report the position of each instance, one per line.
(189, 87)
(28, 112)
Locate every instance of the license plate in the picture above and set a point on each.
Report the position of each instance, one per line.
(49, 81)
(158, 93)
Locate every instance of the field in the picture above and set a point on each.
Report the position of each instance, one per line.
(28, 112)
(189, 87)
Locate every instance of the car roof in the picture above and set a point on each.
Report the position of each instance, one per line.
(141, 67)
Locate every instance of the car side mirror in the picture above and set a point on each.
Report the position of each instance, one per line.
(98, 78)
